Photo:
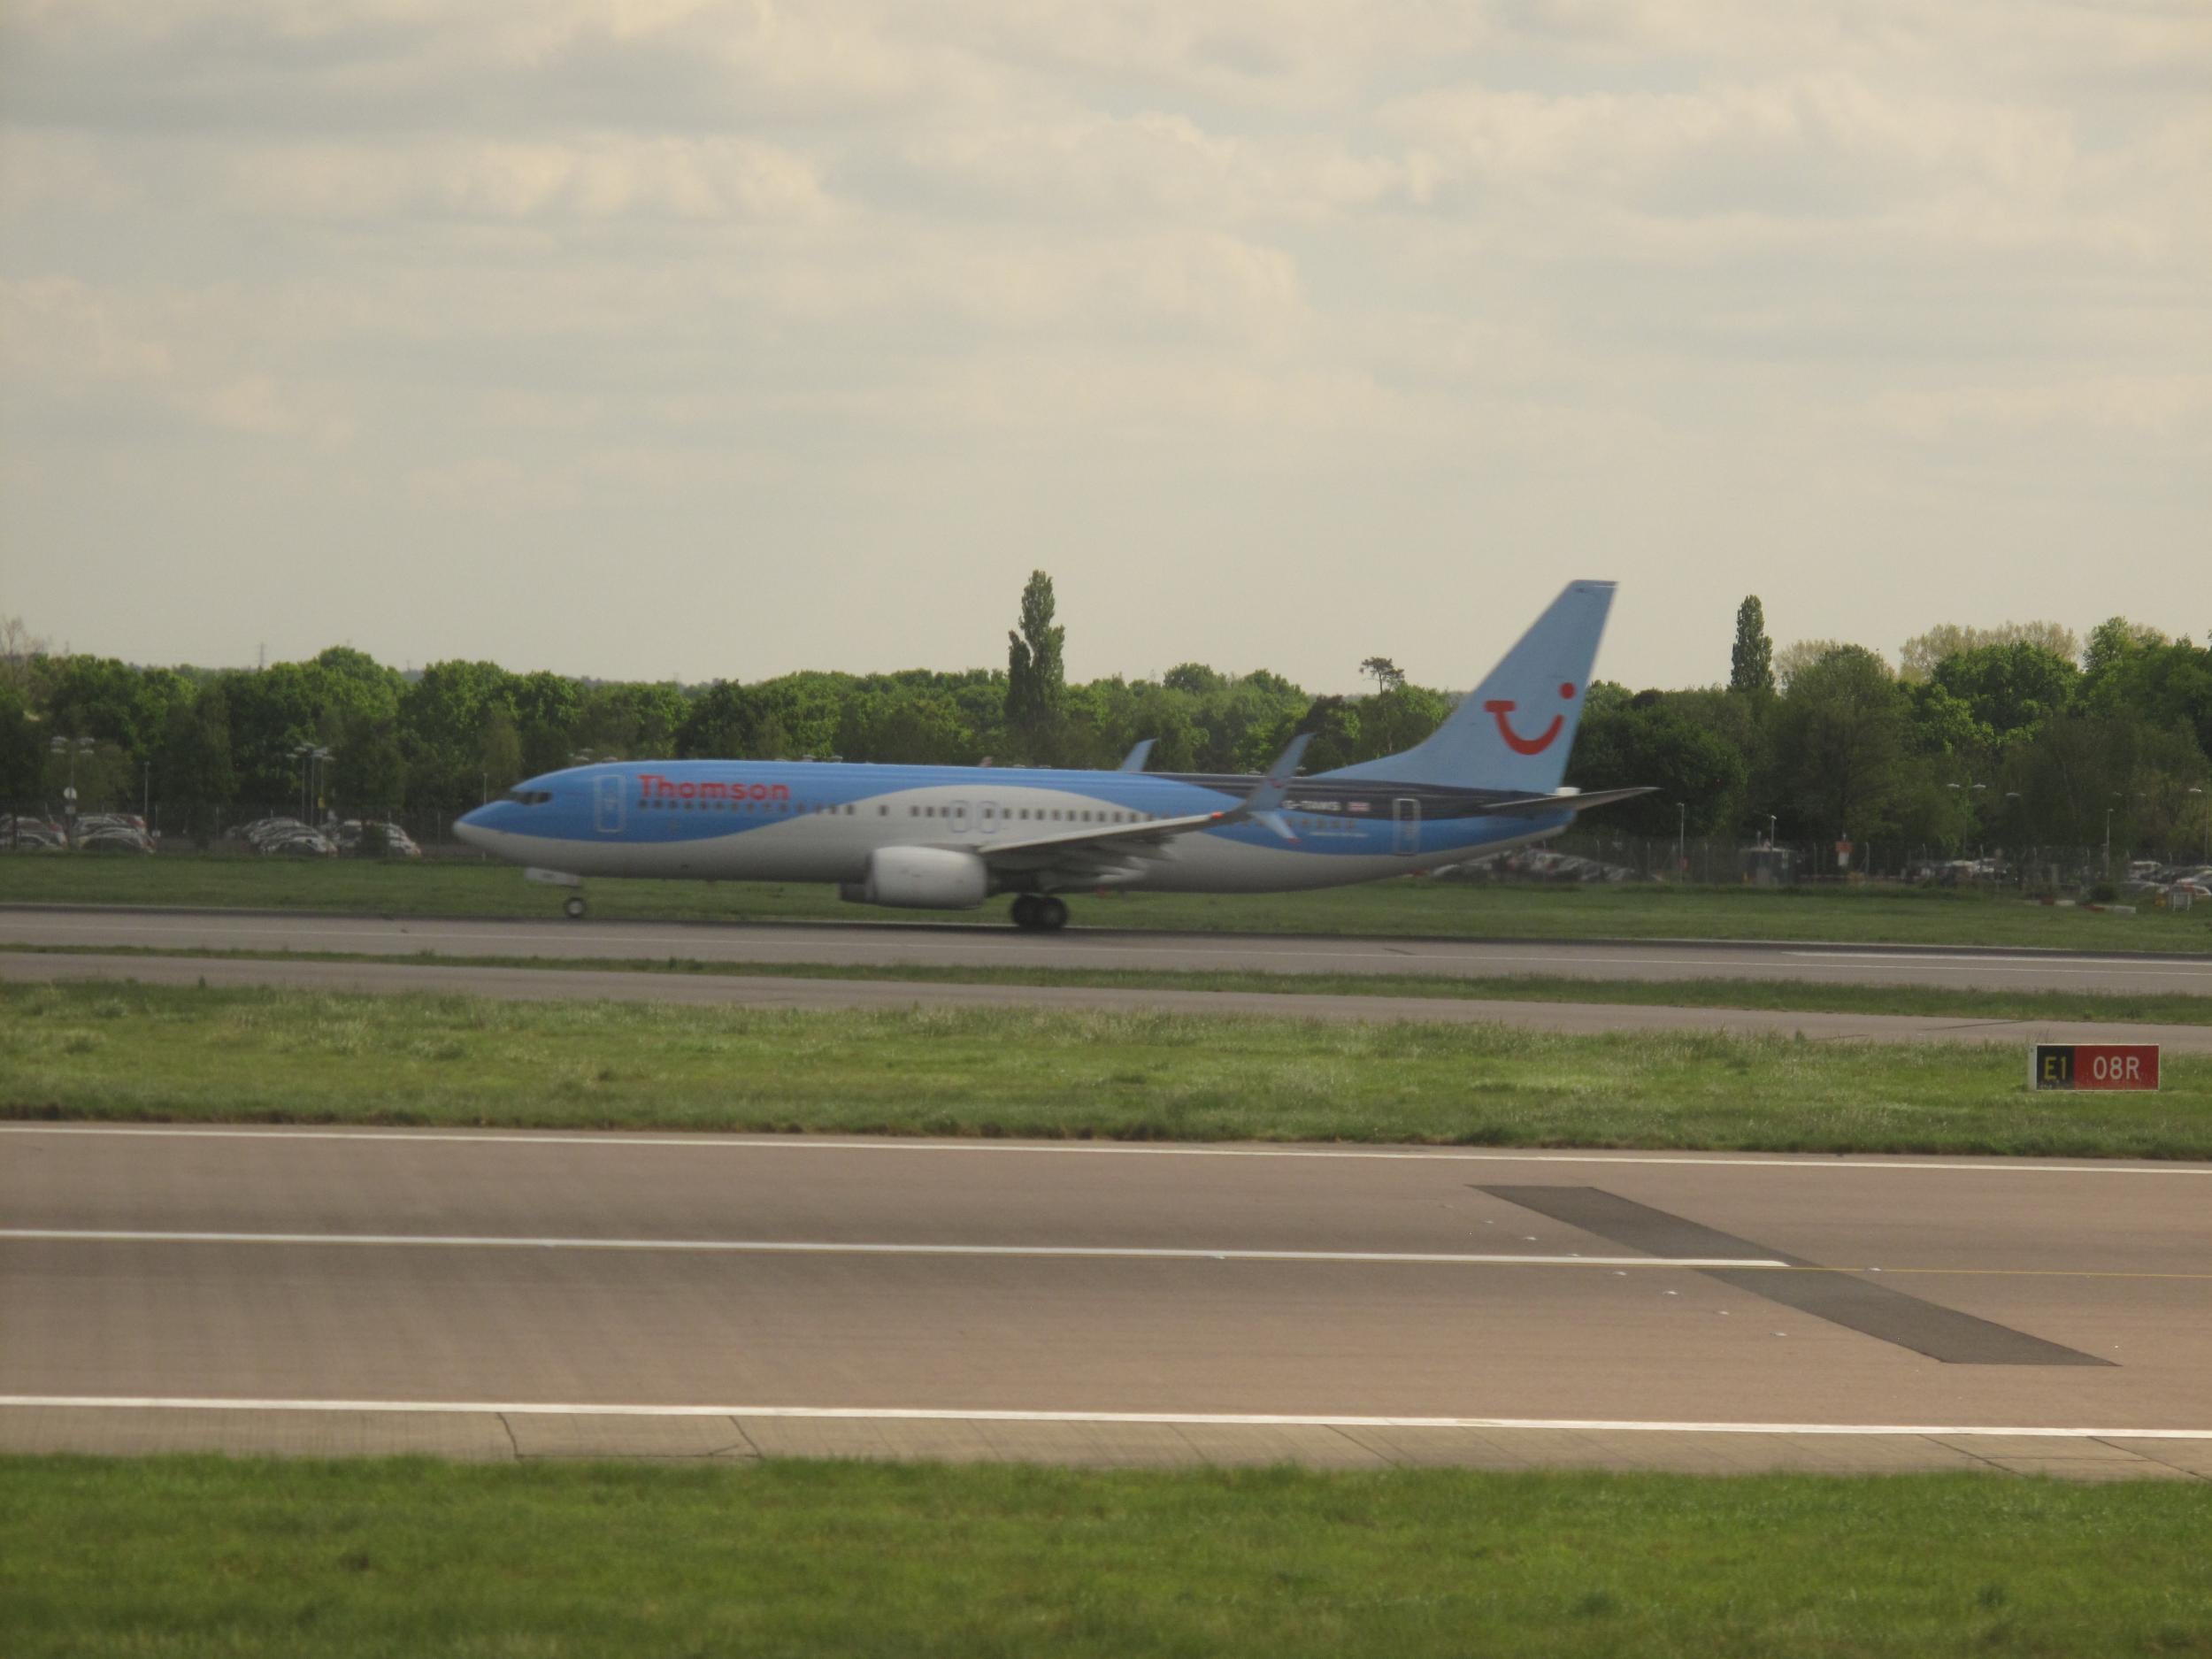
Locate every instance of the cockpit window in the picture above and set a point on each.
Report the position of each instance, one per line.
(530, 797)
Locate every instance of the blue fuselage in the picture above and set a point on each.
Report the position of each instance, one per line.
(820, 821)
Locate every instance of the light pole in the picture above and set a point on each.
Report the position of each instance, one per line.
(146, 795)
(1681, 837)
(2010, 796)
(2107, 843)
(2198, 789)
(72, 748)
(309, 756)
(1966, 791)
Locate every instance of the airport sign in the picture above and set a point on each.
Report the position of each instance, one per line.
(2093, 1065)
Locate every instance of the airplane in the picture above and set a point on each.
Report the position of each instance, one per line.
(951, 837)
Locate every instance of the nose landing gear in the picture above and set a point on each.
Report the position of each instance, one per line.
(1039, 912)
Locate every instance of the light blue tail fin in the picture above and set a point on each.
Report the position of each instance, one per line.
(1514, 730)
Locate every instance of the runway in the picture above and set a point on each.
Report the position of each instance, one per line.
(937, 945)
(524, 1294)
(625, 985)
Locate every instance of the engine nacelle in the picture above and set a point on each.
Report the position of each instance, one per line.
(921, 878)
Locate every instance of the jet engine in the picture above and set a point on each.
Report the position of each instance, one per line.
(921, 878)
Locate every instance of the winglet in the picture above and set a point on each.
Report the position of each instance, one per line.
(1136, 759)
(1267, 794)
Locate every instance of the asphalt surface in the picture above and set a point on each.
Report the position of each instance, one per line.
(865, 945)
(521, 1294)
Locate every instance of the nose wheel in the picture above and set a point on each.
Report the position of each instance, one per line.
(574, 907)
(1039, 912)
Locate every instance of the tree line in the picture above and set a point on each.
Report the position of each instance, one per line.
(2012, 735)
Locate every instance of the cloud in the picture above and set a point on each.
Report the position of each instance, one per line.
(1613, 274)
(188, 355)
(602, 176)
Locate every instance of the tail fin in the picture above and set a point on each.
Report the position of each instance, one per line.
(1514, 730)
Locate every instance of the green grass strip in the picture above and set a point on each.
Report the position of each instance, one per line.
(127, 1052)
(1406, 907)
(189, 1558)
(2174, 1008)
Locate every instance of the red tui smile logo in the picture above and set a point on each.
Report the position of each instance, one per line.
(1501, 707)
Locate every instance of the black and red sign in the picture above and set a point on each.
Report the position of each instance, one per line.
(2095, 1066)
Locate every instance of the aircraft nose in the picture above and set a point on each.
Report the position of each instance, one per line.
(470, 826)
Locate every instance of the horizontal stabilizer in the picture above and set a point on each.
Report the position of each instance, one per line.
(1534, 805)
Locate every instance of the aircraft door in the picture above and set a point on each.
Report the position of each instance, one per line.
(606, 804)
(987, 817)
(958, 811)
(1406, 825)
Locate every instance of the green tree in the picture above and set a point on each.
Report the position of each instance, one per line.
(355, 683)
(2009, 688)
(904, 729)
(725, 722)
(1398, 718)
(1335, 724)
(1751, 665)
(1647, 741)
(498, 753)
(1920, 655)
(443, 718)
(22, 751)
(192, 765)
(273, 711)
(1193, 678)
(630, 719)
(98, 698)
(1035, 678)
(1386, 674)
(1844, 728)
(369, 769)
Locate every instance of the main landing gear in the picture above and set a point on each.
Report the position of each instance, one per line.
(574, 907)
(1039, 912)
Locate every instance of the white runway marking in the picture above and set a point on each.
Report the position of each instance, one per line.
(779, 1246)
(1217, 1420)
(2022, 965)
(616, 1142)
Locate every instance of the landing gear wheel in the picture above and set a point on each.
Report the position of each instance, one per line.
(1052, 914)
(575, 907)
(1024, 910)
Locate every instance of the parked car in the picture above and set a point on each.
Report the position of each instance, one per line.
(114, 838)
(398, 842)
(300, 844)
(31, 834)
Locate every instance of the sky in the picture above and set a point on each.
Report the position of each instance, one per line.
(683, 339)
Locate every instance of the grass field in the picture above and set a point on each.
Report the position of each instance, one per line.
(187, 1558)
(2176, 1007)
(1408, 907)
(132, 1052)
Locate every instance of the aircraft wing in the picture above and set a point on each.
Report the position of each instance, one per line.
(1104, 849)
(1530, 805)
